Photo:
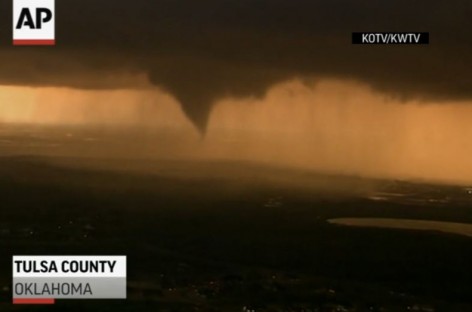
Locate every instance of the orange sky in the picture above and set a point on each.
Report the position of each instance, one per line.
(335, 126)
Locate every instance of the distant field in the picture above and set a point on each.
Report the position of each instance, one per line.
(424, 225)
(217, 236)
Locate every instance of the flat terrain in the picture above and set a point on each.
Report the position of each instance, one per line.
(210, 242)
(218, 236)
(405, 224)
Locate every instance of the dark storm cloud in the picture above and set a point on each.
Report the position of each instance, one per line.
(203, 50)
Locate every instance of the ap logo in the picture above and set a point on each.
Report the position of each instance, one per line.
(33, 22)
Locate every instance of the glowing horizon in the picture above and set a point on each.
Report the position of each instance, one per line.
(333, 125)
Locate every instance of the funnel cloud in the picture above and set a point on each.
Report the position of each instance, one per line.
(204, 51)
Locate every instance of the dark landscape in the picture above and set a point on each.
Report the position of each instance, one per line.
(245, 155)
(236, 236)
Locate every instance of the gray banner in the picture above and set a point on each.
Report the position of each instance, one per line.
(70, 288)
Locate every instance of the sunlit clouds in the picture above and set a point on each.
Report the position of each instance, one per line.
(330, 126)
(64, 106)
